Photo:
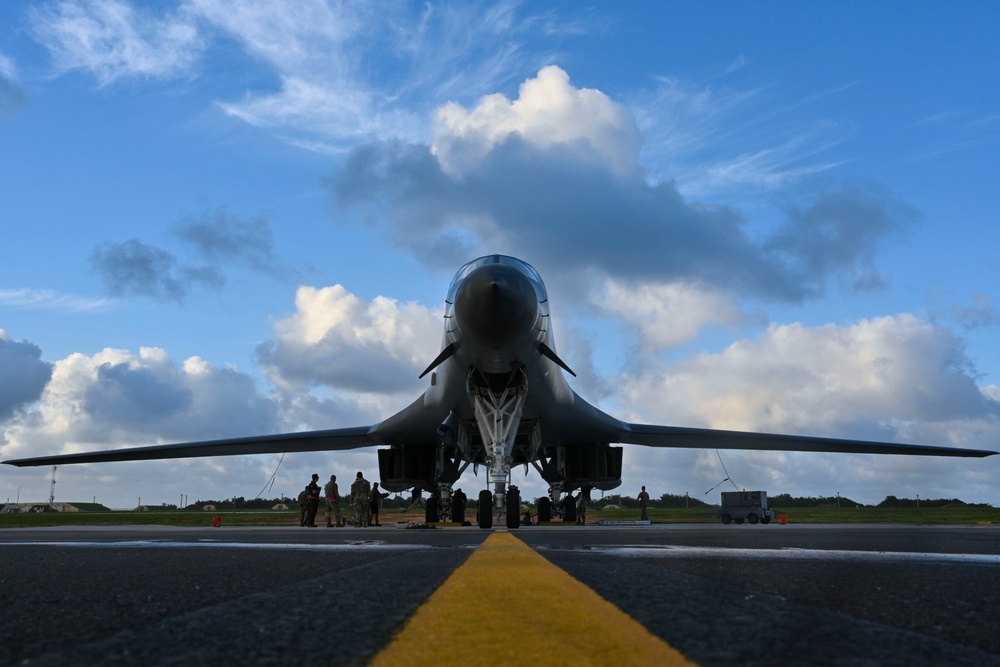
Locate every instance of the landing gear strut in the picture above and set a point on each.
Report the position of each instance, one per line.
(498, 407)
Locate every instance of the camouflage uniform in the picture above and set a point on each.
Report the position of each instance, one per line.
(643, 505)
(303, 505)
(360, 491)
(332, 502)
(373, 503)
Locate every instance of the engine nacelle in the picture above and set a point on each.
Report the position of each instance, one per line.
(597, 466)
(401, 468)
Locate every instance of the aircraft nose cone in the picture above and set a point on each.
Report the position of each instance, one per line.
(496, 305)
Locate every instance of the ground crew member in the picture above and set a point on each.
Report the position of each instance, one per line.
(643, 499)
(303, 505)
(373, 502)
(360, 491)
(313, 488)
(458, 501)
(332, 502)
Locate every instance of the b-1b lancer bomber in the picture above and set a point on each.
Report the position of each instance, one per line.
(497, 397)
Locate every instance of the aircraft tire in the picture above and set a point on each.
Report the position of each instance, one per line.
(738, 521)
(765, 520)
(752, 518)
(726, 519)
(569, 512)
(544, 509)
(431, 510)
(484, 513)
(513, 509)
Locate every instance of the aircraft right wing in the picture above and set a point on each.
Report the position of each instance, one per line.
(652, 435)
(306, 441)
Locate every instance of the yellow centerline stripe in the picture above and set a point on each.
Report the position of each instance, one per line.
(507, 605)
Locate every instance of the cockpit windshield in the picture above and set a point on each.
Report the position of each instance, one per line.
(521, 266)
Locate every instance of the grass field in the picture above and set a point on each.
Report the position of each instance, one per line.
(389, 517)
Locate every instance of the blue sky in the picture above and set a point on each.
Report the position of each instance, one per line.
(223, 219)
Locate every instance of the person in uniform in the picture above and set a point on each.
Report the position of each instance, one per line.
(374, 499)
(360, 490)
(313, 488)
(643, 499)
(332, 503)
(458, 501)
(303, 505)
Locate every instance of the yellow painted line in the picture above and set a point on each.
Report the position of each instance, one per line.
(507, 605)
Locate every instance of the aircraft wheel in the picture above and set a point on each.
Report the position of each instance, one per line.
(484, 513)
(431, 510)
(544, 509)
(738, 521)
(752, 518)
(513, 509)
(765, 520)
(569, 511)
(726, 519)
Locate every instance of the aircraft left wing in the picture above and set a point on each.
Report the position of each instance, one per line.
(652, 435)
(307, 441)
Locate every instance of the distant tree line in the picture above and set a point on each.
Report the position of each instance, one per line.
(893, 501)
(787, 500)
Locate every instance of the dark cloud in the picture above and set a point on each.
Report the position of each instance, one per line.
(12, 98)
(983, 312)
(370, 369)
(133, 397)
(23, 375)
(574, 215)
(221, 237)
(155, 400)
(133, 268)
(839, 230)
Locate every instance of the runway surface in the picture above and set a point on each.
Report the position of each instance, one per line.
(562, 595)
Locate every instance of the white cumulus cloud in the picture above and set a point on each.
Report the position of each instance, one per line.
(340, 341)
(876, 379)
(548, 111)
(668, 314)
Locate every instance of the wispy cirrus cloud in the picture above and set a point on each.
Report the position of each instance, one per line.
(115, 40)
(342, 71)
(713, 138)
(52, 300)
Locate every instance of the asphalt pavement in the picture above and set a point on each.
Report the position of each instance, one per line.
(720, 595)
